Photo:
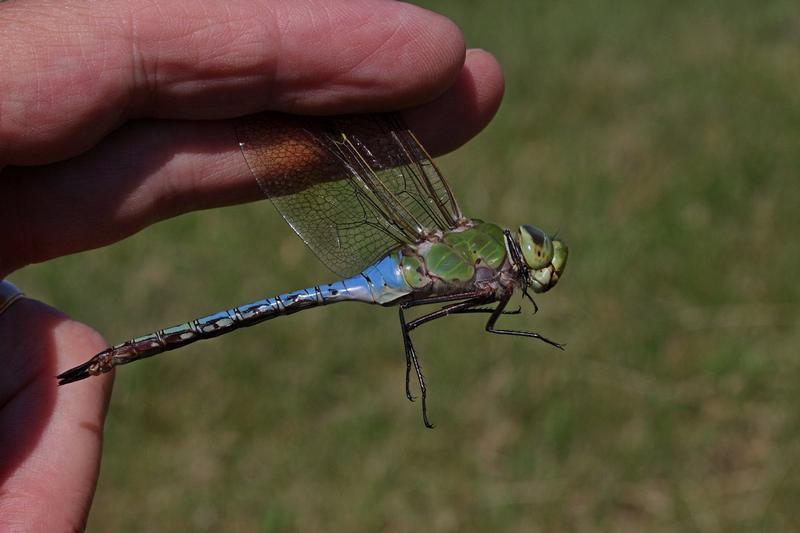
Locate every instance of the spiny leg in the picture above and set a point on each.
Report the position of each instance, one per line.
(499, 311)
(527, 295)
(485, 310)
(469, 304)
(411, 359)
(408, 349)
(474, 298)
(457, 308)
(425, 301)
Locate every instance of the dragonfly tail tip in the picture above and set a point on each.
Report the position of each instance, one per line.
(75, 374)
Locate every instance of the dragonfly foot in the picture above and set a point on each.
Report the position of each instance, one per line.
(554, 344)
(425, 416)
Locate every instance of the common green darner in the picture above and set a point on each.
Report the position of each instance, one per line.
(367, 199)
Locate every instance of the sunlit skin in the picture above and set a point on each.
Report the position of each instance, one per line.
(95, 116)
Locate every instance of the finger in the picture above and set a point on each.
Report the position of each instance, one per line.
(152, 170)
(464, 110)
(77, 72)
(50, 436)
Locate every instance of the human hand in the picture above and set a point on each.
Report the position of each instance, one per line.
(116, 115)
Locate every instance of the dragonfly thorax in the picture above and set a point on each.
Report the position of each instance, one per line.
(472, 254)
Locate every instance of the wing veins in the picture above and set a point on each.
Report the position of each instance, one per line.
(362, 190)
(424, 188)
(353, 188)
(388, 199)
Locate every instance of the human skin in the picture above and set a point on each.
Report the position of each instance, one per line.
(116, 115)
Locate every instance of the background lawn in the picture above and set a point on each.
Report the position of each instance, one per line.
(662, 140)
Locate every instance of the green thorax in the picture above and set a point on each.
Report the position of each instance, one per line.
(456, 256)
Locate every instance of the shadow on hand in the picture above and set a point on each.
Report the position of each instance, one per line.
(27, 387)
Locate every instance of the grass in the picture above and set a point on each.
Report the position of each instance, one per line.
(662, 140)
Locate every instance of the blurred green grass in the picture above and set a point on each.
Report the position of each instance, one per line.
(662, 140)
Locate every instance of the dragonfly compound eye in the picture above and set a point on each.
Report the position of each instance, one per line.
(560, 252)
(537, 248)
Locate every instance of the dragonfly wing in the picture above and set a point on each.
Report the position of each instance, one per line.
(353, 188)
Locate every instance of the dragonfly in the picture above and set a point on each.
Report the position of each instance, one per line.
(368, 200)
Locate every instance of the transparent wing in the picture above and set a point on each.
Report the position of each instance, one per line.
(353, 188)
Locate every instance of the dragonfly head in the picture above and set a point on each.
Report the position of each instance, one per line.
(545, 258)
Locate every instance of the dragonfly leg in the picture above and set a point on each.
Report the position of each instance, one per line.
(499, 311)
(424, 301)
(414, 303)
(529, 297)
(463, 301)
(411, 359)
(485, 310)
(409, 348)
(475, 298)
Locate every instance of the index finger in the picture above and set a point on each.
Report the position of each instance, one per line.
(72, 75)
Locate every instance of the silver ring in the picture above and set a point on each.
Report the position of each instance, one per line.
(9, 294)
